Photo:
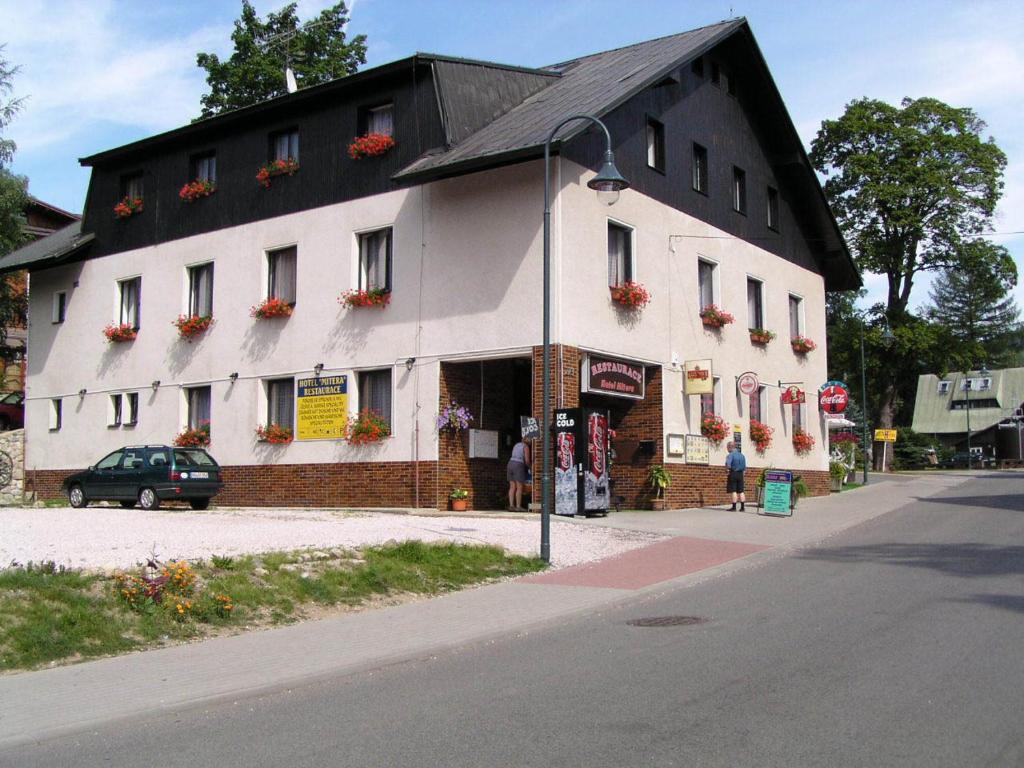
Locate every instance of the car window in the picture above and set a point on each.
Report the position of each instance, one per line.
(158, 459)
(110, 461)
(132, 459)
(193, 457)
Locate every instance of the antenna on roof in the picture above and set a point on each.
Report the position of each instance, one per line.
(283, 41)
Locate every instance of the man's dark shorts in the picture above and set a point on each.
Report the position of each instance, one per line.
(735, 482)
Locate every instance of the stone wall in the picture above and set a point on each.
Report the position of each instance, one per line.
(12, 443)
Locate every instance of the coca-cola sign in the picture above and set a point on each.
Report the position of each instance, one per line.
(833, 397)
(608, 376)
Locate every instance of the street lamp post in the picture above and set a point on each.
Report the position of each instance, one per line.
(864, 403)
(607, 183)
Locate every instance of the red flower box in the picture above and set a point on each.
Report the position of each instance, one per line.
(190, 326)
(194, 438)
(367, 427)
(274, 433)
(802, 345)
(375, 297)
(118, 333)
(276, 168)
(630, 295)
(128, 207)
(370, 145)
(760, 435)
(193, 190)
(761, 336)
(713, 427)
(714, 317)
(270, 308)
(802, 442)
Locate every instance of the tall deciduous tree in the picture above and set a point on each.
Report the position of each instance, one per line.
(974, 304)
(13, 196)
(908, 185)
(317, 52)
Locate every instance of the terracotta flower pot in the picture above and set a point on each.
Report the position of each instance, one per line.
(460, 505)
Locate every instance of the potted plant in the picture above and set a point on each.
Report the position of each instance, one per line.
(760, 435)
(119, 333)
(367, 427)
(802, 345)
(714, 317)
(274, 433)
(837, 474)
(373, 297)
(803, 442)
(761, 336)
(460, 499)
(453, 417)
(659, 479)
(128, 207)
(193, 190)
(713, 427)
(190, 326)
(276, 168)
(370, 145)
(194, 438)
(630, 295)
(269, 308)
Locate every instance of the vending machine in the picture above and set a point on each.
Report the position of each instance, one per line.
(582, 449)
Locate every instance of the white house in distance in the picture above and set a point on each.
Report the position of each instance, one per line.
(443, 220)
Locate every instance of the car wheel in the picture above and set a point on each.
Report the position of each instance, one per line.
(148, 499)
(128, 504)
(76, 496)
(199, 503)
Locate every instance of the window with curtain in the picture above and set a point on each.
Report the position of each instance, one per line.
(706, 282)
(284, 145)
(620, 254)
(655, 144)
(381, 120)
(281, 269)
(795, 329)
(755, 399)
(281, 402)
(131, 291)
(375, 393)
(204, 167)
(798, 416)
(709, 401)
(198, 399)
(755, 303)
(131, 186)
(375, 260)
(200, 290)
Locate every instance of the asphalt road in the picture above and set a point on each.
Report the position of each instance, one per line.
(899, 642)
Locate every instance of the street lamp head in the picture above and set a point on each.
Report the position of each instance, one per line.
(608, 182)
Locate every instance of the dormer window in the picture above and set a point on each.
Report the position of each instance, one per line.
(944, 387)
(203, 167)
(131, 186)
(284, 145)
(381, 120)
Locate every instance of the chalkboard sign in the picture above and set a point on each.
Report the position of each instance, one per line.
(778, 493)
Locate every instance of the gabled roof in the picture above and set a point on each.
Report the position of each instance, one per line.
(594, 85)
(48, 251)
(934, 411)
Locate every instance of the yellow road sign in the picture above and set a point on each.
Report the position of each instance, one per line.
(885, 435)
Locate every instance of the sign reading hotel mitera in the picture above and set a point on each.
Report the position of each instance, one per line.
(608, 376)
(321, 408)
(697, 378)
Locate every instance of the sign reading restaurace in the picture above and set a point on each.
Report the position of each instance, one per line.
(321, 408)
(608, 376)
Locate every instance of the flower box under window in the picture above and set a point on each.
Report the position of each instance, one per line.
(370, 145)
(760, 435)
(713, 427)
(128, 207)
(120, 333)
(714, 317)
(367, 427)
(761, 336)
(271, 308)
(199, 437)
(274, 433)
(190, 326)
(276, 168)
(630, 295)
(194, 190)
(374, 297)
(802, 345)
(803, 443)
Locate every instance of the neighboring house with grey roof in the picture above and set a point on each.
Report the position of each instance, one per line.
(440, 229)
(989, 402)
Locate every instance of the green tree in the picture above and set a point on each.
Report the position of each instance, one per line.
(317, 52)
(13, 197)
(974, 304)
(908, 185)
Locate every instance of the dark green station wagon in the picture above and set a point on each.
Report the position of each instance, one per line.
(147, 475)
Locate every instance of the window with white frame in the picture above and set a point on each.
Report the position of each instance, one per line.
(197, 401)
(755, 303)
(56, 414)
(710, 401)
(375, 393)
(655, 144)
(944, 387)
(200, 290)
(281, 402)
(132, 404)
(204, 167)
(620, 254)
(281, 273)
(375, 260)
(284, 145)
(60, 306)
(706, 282)
(130, 293)
(796, 326)
(381, 119)
(114, 411)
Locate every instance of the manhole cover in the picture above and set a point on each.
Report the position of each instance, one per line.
(666, 621)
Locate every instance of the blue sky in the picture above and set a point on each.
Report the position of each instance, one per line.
(100, 73)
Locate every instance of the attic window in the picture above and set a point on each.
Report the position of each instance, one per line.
(944, 387)
(284, 145)
(381, 120)
(655, 145)
(131, 185)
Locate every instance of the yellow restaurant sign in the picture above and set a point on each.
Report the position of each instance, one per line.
(697, 378)
(321, 411)
(885, 435)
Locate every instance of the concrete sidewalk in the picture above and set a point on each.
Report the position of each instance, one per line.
(705, 543)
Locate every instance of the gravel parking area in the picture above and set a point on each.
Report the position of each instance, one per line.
(106, 538)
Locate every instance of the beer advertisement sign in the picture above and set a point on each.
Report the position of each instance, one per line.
(608, 376)
(321, 408)
(833, 397)
(697, 377)
(793, 395)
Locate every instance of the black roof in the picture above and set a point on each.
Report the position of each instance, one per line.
(62, 246)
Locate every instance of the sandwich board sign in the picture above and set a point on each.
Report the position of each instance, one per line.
(778, 493)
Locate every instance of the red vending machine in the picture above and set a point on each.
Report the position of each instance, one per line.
(581, 461)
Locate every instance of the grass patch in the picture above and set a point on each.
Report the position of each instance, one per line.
(851, 486)
(50, 614)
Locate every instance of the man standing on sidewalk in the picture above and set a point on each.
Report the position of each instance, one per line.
(736, 463)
